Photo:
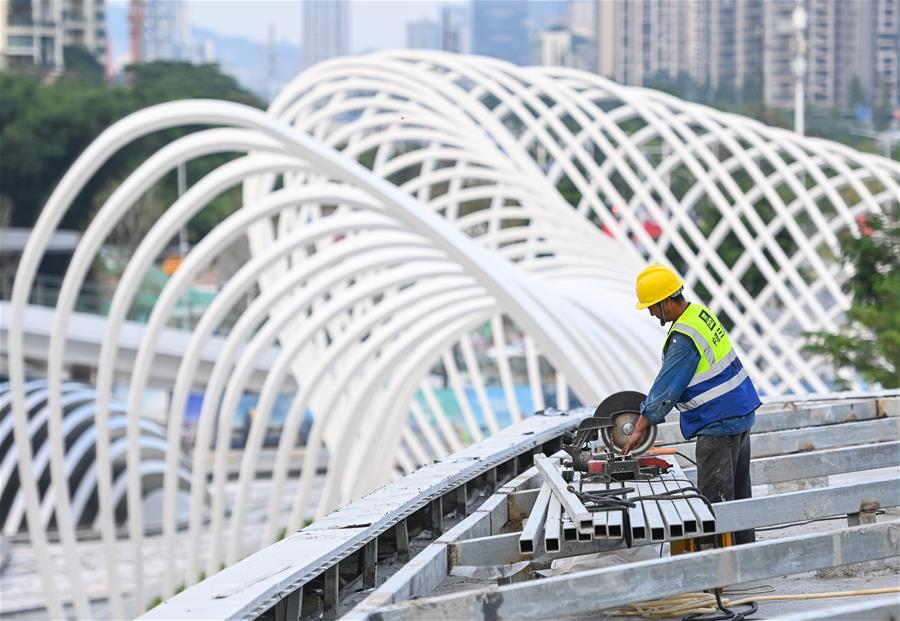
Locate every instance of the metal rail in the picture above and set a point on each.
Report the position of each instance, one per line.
(601, 589)
(881, 609)
(820, 463)
(311, 571)
(314, 556)
(785, 508)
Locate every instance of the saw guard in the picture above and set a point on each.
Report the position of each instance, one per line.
(622, 410)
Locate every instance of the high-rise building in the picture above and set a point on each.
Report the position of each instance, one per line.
(159, 30)
(326, 30)
(499, 30)
(423, 34)
(852, 51)
(778, 53)
(556, 49)
(34, 34)
(886, 82)
(748, 46)
(456, 32)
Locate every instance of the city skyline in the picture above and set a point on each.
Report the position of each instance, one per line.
(251, 20)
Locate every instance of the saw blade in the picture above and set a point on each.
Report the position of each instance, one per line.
(624, 423)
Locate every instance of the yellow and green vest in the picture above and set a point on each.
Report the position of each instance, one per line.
(720, 387)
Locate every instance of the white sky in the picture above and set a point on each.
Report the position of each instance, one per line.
(374, 24)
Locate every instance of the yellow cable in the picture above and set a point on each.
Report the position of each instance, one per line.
(688, 603)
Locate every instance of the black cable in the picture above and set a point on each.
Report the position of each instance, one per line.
(686, 457)
(726, 615)
(678, 494)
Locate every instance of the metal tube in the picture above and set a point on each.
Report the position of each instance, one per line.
(881, 609)
(809, 439)
(601, 589)
(552, 541)
(574, 508)
(531, 531)
(820, 463)
(730, 516)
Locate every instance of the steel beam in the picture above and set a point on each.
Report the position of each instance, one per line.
(600, 589)
(288, 609)
(332, 592)
(436, 516)
(802, 415)
(431, 566)
(820, 463)
(674, 479)
(816, 438)
(522, 502)
(528, 541)
(462, 500)
(401, 532)
(255, 584)
(730, 516)
(881, 609)
(552, 539)
(370, 564)
(574, 508)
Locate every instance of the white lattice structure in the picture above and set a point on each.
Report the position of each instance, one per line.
(491, 195)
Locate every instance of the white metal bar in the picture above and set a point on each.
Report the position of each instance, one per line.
(637, 523)
(606, 588)
(820, 463)
(530, 537)
(670, 514)
(562, 391)
(450, 435)
(732, 515)
(552, 540)
(471, 360)
(656, 527)
(506, 378)
(574, 508)
(437, 447)
(533, 367)
(456, 384)
(885, 608)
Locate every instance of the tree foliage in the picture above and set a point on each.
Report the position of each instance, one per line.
(870, 341)
(45, 125)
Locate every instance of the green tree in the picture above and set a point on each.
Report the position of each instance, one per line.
(44, 126)
(870, 341)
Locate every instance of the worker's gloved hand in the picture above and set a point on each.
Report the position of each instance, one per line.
(637, 438)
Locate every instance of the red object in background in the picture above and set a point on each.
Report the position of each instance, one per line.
(864, 227)
(652, 228)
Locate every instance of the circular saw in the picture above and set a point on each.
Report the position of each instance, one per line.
(614, 421)
(622, 411)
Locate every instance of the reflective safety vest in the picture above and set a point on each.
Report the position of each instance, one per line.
(720, 387)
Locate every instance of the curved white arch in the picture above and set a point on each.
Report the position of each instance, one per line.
(405, 206)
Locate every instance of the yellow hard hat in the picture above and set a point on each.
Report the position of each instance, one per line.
(654, 284)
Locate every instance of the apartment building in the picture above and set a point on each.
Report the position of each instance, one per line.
(34, 33)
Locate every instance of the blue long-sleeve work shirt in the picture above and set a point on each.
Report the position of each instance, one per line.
(679, 363)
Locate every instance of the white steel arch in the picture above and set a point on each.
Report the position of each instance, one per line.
(417, 214)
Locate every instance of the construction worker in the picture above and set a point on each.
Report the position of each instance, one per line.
(703, 378)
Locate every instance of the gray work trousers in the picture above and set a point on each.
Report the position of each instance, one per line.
(723, 471)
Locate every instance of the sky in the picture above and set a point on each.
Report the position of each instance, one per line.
(374, 24)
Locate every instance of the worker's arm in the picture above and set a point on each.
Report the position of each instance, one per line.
(679, 363)
(678, 368)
